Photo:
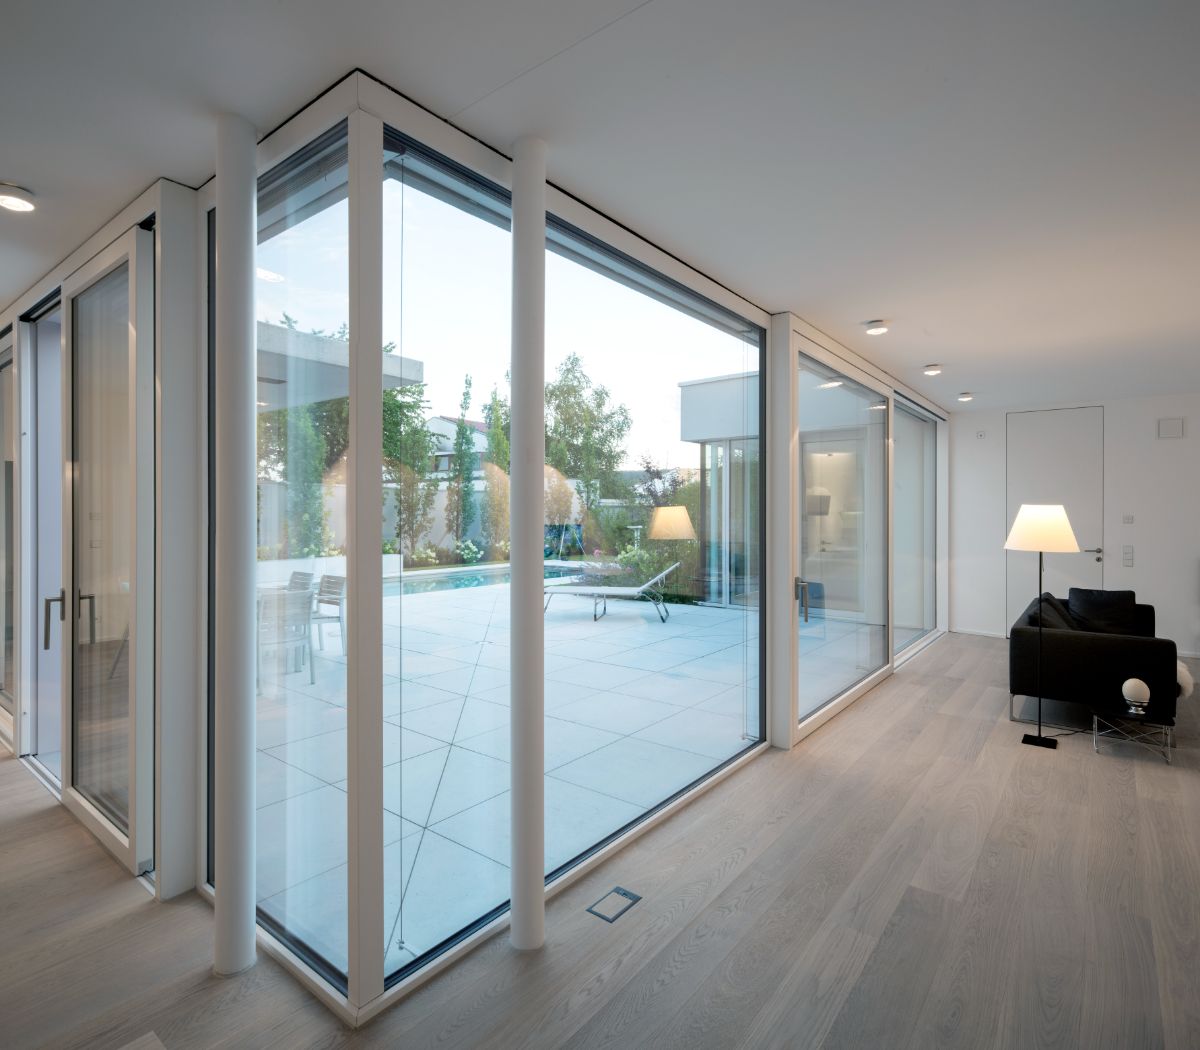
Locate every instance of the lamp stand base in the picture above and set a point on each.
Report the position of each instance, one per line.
(1039, 741)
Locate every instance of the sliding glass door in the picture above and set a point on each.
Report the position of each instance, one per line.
(914, 524)
(843, 484)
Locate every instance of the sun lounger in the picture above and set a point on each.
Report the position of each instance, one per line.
(600, 593)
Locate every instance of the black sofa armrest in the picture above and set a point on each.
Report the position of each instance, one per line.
(1088, 667)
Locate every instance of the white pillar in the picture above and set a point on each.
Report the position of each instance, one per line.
(364, 568)
(234, 612)
(527, 516)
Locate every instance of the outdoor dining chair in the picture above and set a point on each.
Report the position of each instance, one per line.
(285, 622)
(330, 607)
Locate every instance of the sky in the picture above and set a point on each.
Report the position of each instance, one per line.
(446, 303)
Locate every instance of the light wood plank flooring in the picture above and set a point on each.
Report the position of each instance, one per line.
(910, 876)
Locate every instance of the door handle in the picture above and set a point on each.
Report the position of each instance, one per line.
(62, 615)
(802, 596)
(91, 600)
(1094, 550)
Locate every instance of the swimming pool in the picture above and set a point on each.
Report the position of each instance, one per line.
(423, 582)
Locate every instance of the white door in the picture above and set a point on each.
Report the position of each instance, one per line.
(1057, 456)
(108, 546)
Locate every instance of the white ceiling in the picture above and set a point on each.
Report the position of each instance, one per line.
(1015, 186)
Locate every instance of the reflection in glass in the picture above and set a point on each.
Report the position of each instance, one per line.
(914, 525)
(103, 544)
(843, 533)
(302, 303)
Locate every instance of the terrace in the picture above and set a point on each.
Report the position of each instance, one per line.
(636, 710)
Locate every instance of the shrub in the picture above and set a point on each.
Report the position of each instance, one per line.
(467, 552)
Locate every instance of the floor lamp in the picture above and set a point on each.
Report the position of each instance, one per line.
(1041, 527)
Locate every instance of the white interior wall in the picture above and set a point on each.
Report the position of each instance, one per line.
(1154, 480)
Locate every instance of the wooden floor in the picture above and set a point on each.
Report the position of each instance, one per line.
(909, 876)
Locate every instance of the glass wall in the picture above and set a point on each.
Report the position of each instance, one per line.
(7, 567)
(446, 332)
(843, 533)
(303, 319)
(914, 524)
(652, 541)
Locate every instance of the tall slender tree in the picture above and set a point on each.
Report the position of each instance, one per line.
(408, 448)
(460, 497)
(495, 516)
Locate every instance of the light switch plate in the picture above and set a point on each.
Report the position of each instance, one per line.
(1127, 556)
(1127, 519)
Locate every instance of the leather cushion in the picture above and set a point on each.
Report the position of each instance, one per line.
(1109, 612)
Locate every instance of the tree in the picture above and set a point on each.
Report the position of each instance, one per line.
(307, 532)
(660, 485)
(408, 448)
(585, 432)
(494, 516)
(560, 503)
(460, 501)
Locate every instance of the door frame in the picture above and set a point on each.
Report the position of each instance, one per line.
(134, 849)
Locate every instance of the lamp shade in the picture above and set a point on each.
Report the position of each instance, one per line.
(671, 523)
(1042, 527)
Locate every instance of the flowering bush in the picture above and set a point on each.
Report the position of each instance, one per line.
(424, 556)
(467, 552)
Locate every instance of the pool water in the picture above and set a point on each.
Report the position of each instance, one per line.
(422, 583)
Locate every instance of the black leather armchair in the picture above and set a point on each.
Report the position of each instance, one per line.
(1085, 665)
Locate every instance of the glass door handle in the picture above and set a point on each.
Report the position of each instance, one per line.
(91, 600)
(802, 596)
(62, 615)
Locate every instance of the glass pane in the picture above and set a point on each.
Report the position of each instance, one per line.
(843, 533)
(914, 526)
(446, 541)
(46, 735)
(103, 544)
(302, 302)
(7, 462)
(652, 634)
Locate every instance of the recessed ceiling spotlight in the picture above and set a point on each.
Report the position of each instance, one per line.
(964, 396)
(830, 385)
(876, 327)
(933, 370)
(15, 198)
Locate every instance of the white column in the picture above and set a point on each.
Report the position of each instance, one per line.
(364, 566)
(527, 516)
(234, 612)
